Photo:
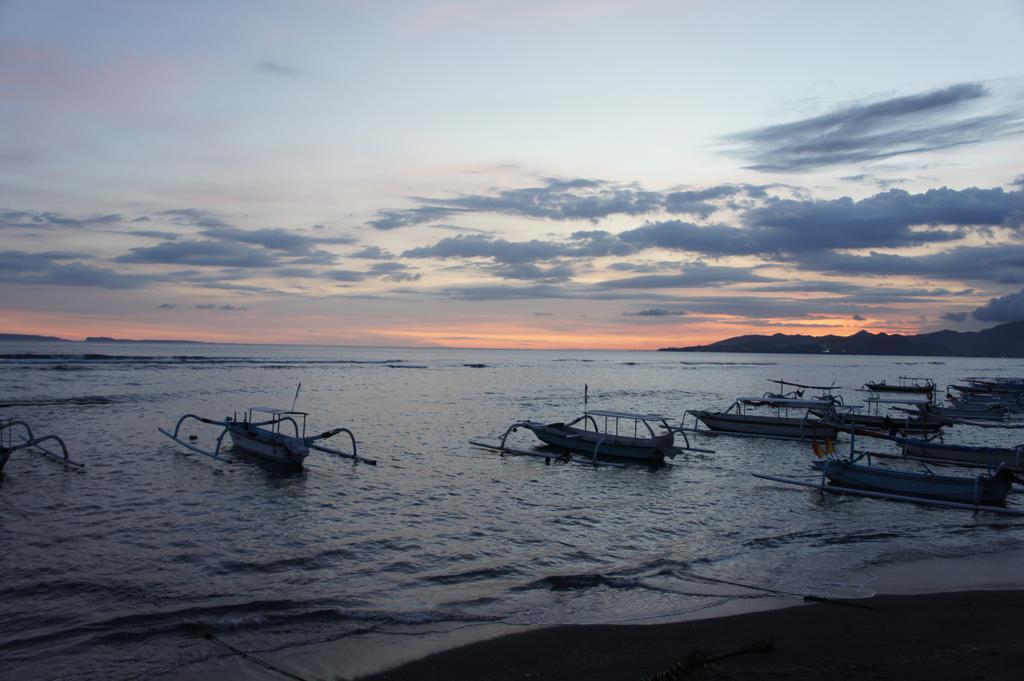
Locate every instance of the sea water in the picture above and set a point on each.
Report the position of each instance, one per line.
(116, 572)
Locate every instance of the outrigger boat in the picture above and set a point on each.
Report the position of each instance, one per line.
(814, 423)
(916, 415)
(621, 437)
(263, 432)
(27, 441)
(907, 384)
(967, 456)
(846, 476)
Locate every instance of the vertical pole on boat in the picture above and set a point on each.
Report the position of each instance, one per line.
(296, 398)
(586, 396)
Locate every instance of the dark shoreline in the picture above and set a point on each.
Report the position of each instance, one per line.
(963, 635)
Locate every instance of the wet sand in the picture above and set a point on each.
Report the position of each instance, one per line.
(966, 635)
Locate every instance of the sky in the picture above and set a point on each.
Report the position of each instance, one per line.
(556, 174)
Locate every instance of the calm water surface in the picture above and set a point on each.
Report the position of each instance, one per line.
(115, 573)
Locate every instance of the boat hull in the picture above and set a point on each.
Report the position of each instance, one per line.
(607, 445)
(770, 426)
(980, 489)
(885, 423)
(975, 456)
(268, 445)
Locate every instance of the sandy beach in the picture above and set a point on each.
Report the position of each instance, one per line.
(967, 635)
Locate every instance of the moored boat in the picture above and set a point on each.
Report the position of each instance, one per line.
(268, 433)
(966, 455)
(989, 490)
(784, 423)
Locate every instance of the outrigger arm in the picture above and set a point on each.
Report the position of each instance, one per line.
(216, 452)
(29, 441)
(337, 452)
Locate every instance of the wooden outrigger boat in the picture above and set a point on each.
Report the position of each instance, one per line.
(915, 415)
(967, 456)
(585, 440)
(985, 492)
(814, 422)
(264, 437)
(979, 490)
(907, 384)
(27, 441)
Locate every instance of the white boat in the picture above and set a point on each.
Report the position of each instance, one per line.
(794, 418)
(599, 435)
(269, 433)
(17, 435)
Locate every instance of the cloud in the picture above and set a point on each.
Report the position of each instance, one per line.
(201, 253)
(227, 307)
(1003, 264)
(275, 239)
(563, 200)
(277, 69)
(49, 268)
(20, 219)
(692, 275)
(586, 244)
(891, 219)
(1008, 308)
(955, 316)
(346, 275)
(194, 216)
(911, 124)
(857, 318)
(656, 312)
(166, 306)
(372, 253)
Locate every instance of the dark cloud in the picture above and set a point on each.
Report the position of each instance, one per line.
(656, 312)
(50, 268)
(1002, 264)
(955, 316)
(857, 318)
(275, 239)
(372, 253)
(692, 275)
(346, 275)
(928, 121)
(153, 234)
(274, 68)
(201, 253)
(534, 260)
(194, 216)
(577, 199)
(892, 219)
(1008, 308)
(20, 219)
(166, 306)
(227, 307)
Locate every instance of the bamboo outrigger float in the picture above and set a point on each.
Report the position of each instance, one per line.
(26, 440)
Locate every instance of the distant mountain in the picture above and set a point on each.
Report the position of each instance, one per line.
(105, 339)
(1005, 340)
(26, 338)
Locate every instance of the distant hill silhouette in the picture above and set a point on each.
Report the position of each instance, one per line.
(26, 337)
(1005, 340)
